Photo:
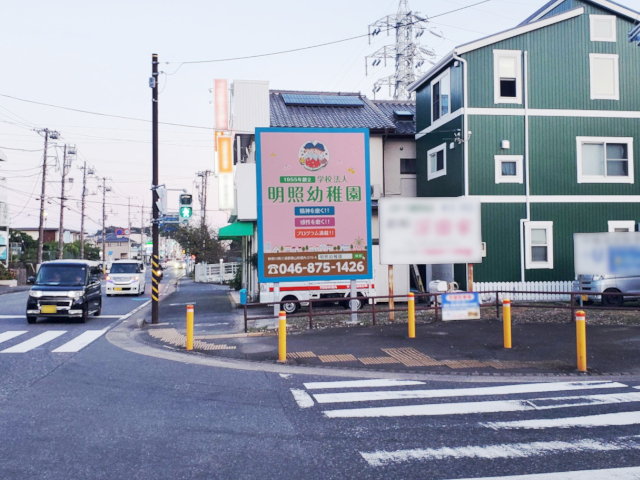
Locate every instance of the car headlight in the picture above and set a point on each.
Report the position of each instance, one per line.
(75, 293)
(135, 279)
(35, 293)
(596, 278)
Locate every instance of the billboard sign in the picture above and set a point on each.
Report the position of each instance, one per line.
(607, 253)
(314, 206)
(460, 306)
(429, 231)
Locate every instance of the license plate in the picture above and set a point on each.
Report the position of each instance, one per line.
(585, 298)
(118, 289)
(48, 309)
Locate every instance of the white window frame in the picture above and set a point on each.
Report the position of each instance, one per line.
(604, 179)
(497, 54)
(529, 263)
(600, 18)
(443, 118)
(508, 178)
(616, 74)
(630, 225)
(439, 173)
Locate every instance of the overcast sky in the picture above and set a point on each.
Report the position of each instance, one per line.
(96, 56)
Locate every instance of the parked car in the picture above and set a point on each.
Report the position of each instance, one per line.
(126, 277)
(627, 285)
(65, 288)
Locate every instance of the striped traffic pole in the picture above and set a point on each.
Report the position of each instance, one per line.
(581, 340)
(189, 327)
(282, 337)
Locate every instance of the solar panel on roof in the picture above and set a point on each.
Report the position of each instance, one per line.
(403, 113)
(322, 100)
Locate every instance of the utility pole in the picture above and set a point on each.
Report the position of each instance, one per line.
(61, 227)
(142, 244)
(153, 82)
(54, 135)
(104, 224)
(203, 194)
(84, 194)
(129, 236)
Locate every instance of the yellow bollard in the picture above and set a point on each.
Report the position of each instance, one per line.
(412, 315)
(282, 337)
(506, 322)
(189, 327)
(581, 338)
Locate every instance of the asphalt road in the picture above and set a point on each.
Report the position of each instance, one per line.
(103, 413)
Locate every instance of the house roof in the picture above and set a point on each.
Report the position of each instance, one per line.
(608, 5)
(366, 115)
(113, 238)
(47, 229)
(404, 125)
(495, 38)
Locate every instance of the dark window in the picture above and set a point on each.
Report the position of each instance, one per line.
(407, 165)
(508, 169)
(440, 160)
(508, 87)
(436, 101)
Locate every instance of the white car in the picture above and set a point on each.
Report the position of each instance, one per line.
(126, 277)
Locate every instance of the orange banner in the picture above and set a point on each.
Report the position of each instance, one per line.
(225, 155)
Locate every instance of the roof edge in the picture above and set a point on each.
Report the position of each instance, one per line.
(613, 6)
(432, 71)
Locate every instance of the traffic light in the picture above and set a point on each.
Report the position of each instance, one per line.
(161, 203)
(186, 210)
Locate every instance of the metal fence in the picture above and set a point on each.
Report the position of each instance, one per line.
(216, 272)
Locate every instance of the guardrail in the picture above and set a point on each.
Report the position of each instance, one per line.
(431, 302)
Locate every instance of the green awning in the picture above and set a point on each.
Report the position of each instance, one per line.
(236, 230)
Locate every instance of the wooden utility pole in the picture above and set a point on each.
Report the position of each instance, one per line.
(104, 224)
(142, 244)
(61, 227)
(54, 135)
(129, 236)
(155, 227)
(84, 194)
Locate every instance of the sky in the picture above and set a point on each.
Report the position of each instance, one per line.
(96, 57)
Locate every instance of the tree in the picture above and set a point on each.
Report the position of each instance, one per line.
(201, 242)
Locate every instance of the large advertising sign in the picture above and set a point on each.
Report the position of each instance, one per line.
(429, 231)
(615, 253)
(314, 204)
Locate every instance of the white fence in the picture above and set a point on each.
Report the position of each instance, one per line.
(520, 291)
(206, 273)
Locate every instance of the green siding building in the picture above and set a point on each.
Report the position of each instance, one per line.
(541, 124)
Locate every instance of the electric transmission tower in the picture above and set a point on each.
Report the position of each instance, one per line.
(407, 53)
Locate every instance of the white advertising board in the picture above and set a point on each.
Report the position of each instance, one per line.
(429, 231)
(607, 253)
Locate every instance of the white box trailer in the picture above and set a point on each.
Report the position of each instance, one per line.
(305, 291)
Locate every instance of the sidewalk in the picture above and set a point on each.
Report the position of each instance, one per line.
(461, 348)
(20, 288)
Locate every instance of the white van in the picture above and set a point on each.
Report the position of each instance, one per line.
(126, 277)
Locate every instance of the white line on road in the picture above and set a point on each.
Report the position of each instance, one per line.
(588, 421)
(462, 392)
(484, 407)
(360, 384)
(512, 450)
(302, 398)
(630, 473)
(35, 342)
(9, 335)
(80, 341)
(2, 317)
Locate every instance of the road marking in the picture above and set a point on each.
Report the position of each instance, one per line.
(588, 421)
(360, 384)
(12, 316)
(80, 341)
(285, 375)
(302, 398)
(484, 407)
(181, 304)
(462, 392)
(630, 473)
(512, 450)
(110, 316)
(5, 336)
(35, 342)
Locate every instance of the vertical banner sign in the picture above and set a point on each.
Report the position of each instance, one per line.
(225, 174)
(314, 204)
(221, 101)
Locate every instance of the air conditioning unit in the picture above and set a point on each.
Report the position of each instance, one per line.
(376, 191)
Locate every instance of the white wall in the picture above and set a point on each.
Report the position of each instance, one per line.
(394, 182)
(401, 282)
(375, 159)
(246, 192)
(249, 105)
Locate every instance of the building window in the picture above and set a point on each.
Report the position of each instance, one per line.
(605, 159)
(440, 96)
(437, 158)
(508, 168)
(603, 28)
(605, 82)
(507, 66)
(621, 226)
(407, 166)
(539, 245)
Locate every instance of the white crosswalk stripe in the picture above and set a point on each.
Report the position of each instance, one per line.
(630, 473)
(74, 345)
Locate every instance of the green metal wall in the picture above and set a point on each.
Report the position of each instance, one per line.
(563, 7)
(559, 66)
(423, 96)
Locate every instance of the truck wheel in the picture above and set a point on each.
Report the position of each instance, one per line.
(290, 307)
(612, 300)
(359, 303)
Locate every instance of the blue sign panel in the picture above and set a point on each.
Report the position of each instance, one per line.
(315, 211)
(461, 306)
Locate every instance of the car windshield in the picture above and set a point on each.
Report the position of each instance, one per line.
(62, 275)
(124, 268)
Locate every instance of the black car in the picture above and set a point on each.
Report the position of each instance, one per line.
(65, 288)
